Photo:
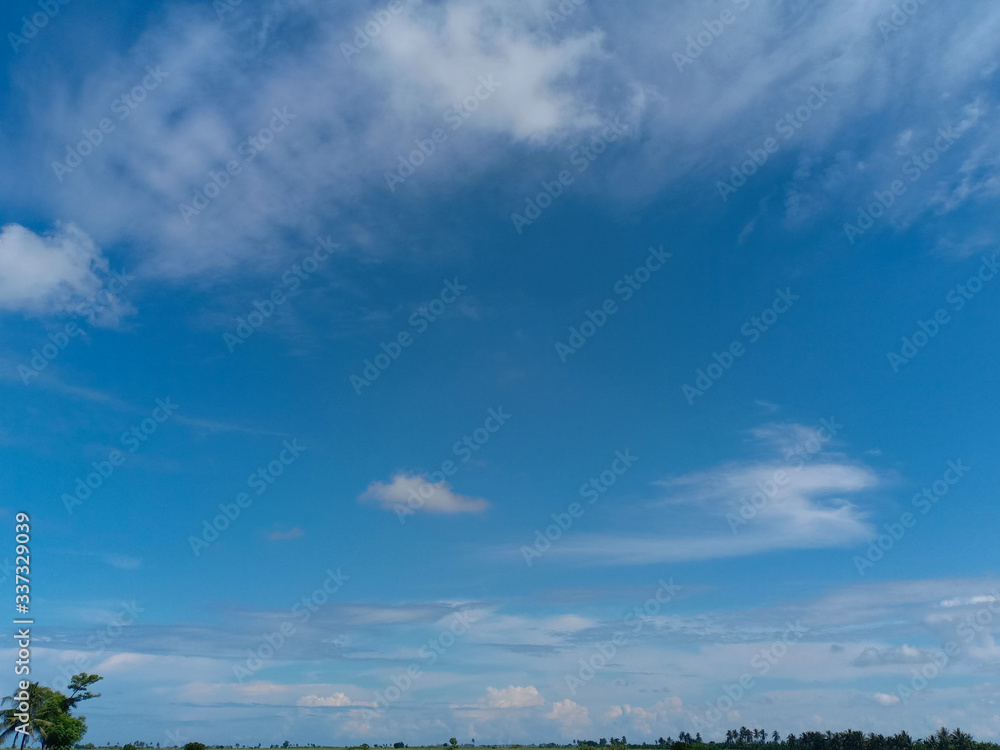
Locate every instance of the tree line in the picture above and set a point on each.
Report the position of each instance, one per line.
(851, 739)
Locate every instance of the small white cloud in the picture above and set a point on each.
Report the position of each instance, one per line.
(53, 273)
(280, 536)
(513, 696)
(886, 699)
(414, 493)
(569, 714)
(337, 699)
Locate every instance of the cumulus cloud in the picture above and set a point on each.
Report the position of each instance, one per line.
(512, 696)
(52, 273)
(886, 699)
(643, 719)
(569, 714)
(407, 493)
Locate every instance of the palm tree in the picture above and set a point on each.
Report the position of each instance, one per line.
(960, 739)
(42, 706)
(940, 740)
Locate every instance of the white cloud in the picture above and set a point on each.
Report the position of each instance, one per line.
(886, 699)
(447, 48)
(337, 699)
(569, 714)
(959, 602)
(644, 719)
(406, 493)
(796, 501)
(613, 713)
(905, 654)
(52, 273)
(512, 696)
(356, 117)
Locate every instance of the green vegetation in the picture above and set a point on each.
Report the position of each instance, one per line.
(38, 712)
(748, 739)
(51, 723)
(738, 739)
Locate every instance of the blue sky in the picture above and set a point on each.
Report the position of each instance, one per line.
(520, 372)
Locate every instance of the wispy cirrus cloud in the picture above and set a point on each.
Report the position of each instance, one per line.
(802, 497)
(336, 700)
